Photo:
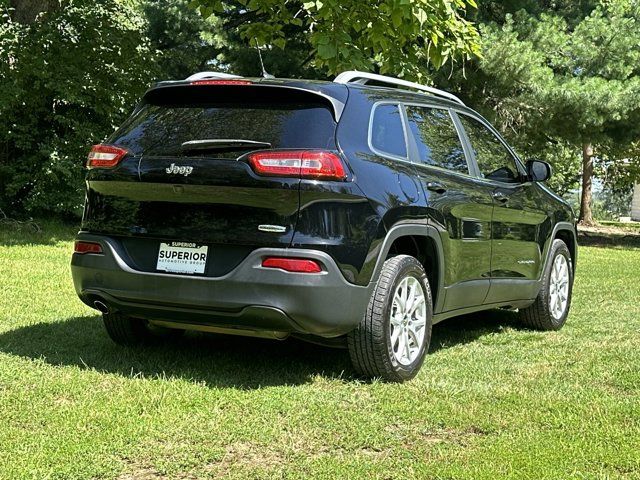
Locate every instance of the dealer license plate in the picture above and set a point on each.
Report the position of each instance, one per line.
(182, 257)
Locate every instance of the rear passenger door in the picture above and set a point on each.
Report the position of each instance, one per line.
(460, 206)
(518, 217)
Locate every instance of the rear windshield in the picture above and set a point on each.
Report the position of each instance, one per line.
(160, 130)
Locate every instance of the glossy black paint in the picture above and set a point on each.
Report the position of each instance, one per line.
(462, 215)
(489, 232)
(492, 237)
(337, 217)
(221, 202)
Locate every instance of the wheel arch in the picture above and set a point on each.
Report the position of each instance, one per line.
(422, 242)
(567, 233)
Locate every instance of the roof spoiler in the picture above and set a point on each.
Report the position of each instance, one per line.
(199, 81)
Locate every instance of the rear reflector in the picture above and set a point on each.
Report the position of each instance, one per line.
(297, 265)
(86, 247)
(220, 82)
(312, 164)
(105, 156)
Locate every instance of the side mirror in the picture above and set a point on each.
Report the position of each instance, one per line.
(539, 171)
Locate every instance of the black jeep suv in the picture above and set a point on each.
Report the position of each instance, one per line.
(344, 212)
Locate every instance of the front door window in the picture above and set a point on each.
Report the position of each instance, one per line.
(494, 159)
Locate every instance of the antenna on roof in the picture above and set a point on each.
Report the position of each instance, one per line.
(264, 72)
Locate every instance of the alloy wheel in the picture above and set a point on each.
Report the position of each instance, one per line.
(559, 287)
(408, 320)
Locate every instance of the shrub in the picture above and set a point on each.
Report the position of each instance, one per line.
(67, 80)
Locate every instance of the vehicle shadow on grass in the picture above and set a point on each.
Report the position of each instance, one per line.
(215, 360)
(469, 328)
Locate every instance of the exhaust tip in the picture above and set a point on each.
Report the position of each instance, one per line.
(102, 307)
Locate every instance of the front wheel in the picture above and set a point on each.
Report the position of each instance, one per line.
(394, 334)
(551, 307)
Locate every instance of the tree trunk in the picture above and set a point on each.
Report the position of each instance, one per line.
(586, 217)
(26, 11)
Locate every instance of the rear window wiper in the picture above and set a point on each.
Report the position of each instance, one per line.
(223, 144)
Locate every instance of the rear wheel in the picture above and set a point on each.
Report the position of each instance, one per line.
(551, 307)
(130, 331)
(394, 335)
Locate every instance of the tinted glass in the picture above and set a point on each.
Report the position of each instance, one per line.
(437, 138)
(494, 160)
(387, 134)
(162, 129)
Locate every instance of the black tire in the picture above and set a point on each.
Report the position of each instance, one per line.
(370, 343)
(539, 315)
(125, 330)
(130, 331)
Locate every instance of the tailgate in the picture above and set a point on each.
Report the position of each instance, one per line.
(167, 190)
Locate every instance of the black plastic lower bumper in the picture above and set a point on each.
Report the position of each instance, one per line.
(249, 297)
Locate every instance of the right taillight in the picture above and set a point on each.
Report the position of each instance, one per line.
(311, 164)
(105, 156)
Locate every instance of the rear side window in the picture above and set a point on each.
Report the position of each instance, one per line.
(159, 130)
(387, 134)
(437, 138)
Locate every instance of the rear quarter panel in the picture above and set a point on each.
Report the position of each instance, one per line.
(387, 190)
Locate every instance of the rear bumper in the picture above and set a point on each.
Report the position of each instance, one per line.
(249, 297)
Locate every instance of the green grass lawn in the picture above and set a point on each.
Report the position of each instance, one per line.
(493, 400)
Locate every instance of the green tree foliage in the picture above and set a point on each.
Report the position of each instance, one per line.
(498, 11)
(68, 76)
(389, 36)
(184, 40)
(187, 42)
(566, 77)
(559, 78)
(618, 170)
(240, 56)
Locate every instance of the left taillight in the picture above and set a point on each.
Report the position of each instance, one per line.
(105, 156)
(86, 247)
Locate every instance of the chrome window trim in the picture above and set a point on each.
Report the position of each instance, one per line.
(464, 142)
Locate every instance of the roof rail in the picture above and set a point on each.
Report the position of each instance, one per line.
(353, 76)
(203, 75)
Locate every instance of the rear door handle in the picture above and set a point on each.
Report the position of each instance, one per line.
(436, 187)
(500, 197)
